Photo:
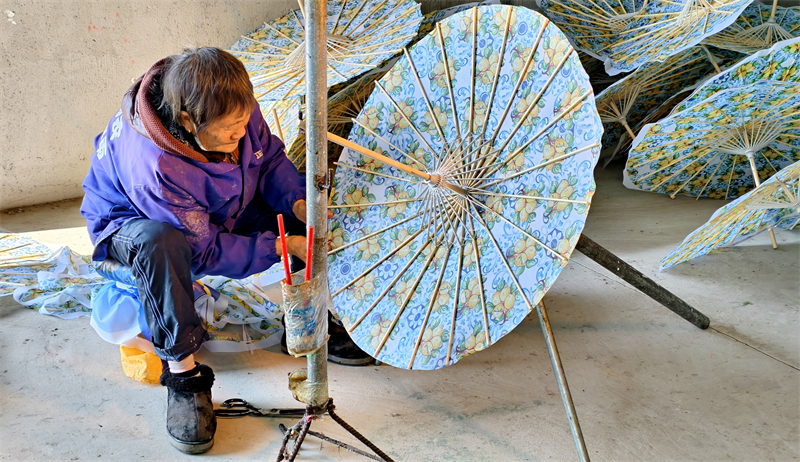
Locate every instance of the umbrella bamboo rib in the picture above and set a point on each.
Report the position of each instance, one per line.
(525, 233)
(427, 100)
(377, 263)
(449, 79)
(353, 16)
(472, 70)
(370, 204)
(389, 287)
(505, 262)
(338, 17)
(563, 114)
(375, 233)
(394, 146)
(500, 60)
(282, 34)
(541, 165)
(407, 299)
(433, 298)
(522, 77)
(456, 300)
(374, 10)
(372, 172)
(480, 192)
(480, 281)
(265, 44)
(711, 177)
(403, 114)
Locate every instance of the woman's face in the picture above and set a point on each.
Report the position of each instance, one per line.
(222, 134)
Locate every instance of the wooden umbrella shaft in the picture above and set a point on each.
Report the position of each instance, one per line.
(430, 178)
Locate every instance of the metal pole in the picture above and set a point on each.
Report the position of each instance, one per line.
(316, 13)
(561, 380)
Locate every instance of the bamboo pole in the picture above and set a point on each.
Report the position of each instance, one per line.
(431, 178)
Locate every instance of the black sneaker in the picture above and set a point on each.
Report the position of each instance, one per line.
(191, 423)
(341, 348)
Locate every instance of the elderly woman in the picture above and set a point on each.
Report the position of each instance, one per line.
(187, 180)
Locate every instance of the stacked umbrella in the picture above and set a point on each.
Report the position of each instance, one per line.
(361, 37)
(696, 114)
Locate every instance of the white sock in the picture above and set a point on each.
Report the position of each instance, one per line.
(186, 364)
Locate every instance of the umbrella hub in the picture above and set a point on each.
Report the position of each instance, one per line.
(749, 138)
(694, 11)
(620, 21)
(337, 45)
(763, 35)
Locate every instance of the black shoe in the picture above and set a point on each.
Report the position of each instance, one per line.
(190, 414)
(341, 348)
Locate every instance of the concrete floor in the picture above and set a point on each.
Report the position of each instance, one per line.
(647, 385)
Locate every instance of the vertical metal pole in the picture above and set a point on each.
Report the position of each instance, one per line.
(563, 387)
(316, 13)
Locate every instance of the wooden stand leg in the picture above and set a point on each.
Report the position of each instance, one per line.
(635, 278)
(561, 379)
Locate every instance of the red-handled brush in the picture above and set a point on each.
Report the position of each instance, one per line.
(309, 252)
(283, 249)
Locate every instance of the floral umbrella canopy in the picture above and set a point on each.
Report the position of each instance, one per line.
(361, 35)
(759, 27)
(776, 203)
(495, 110)
(626, 34)
(722, 147)
(624, 104)
(781, 63)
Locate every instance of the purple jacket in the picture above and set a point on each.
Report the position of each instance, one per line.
(139, 170)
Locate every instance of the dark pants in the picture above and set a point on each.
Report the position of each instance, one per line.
(161, 260)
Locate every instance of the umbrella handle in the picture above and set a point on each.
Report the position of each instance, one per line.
(433, 179)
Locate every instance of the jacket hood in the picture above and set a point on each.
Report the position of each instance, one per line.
(140, 113)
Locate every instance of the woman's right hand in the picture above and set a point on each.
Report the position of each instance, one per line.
(295, 245)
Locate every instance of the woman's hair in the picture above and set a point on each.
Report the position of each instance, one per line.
(207, 83)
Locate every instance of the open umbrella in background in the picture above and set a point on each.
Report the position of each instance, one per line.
(776, 203)
(592, 26)
(625, 104)
(781, 63)
(627, 34)
(758, 27)
(624, 142)
(722, 147)
(361, 35)
(284, 117)
(598, 77)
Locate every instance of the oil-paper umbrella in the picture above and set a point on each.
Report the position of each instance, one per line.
(721, 148)
(759, 27)
(781, 63)
(598, 77)
(463, 189)
(627, 34)
(625, 141)
(361, 35)
(624, 104)
(284, 117)
(776, 203)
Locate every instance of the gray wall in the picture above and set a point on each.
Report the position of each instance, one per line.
(64, 66)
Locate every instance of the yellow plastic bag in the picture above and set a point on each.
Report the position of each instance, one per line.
(140, 365)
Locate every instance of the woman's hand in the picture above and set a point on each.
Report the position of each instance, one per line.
(295, 245)
(299, 210)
